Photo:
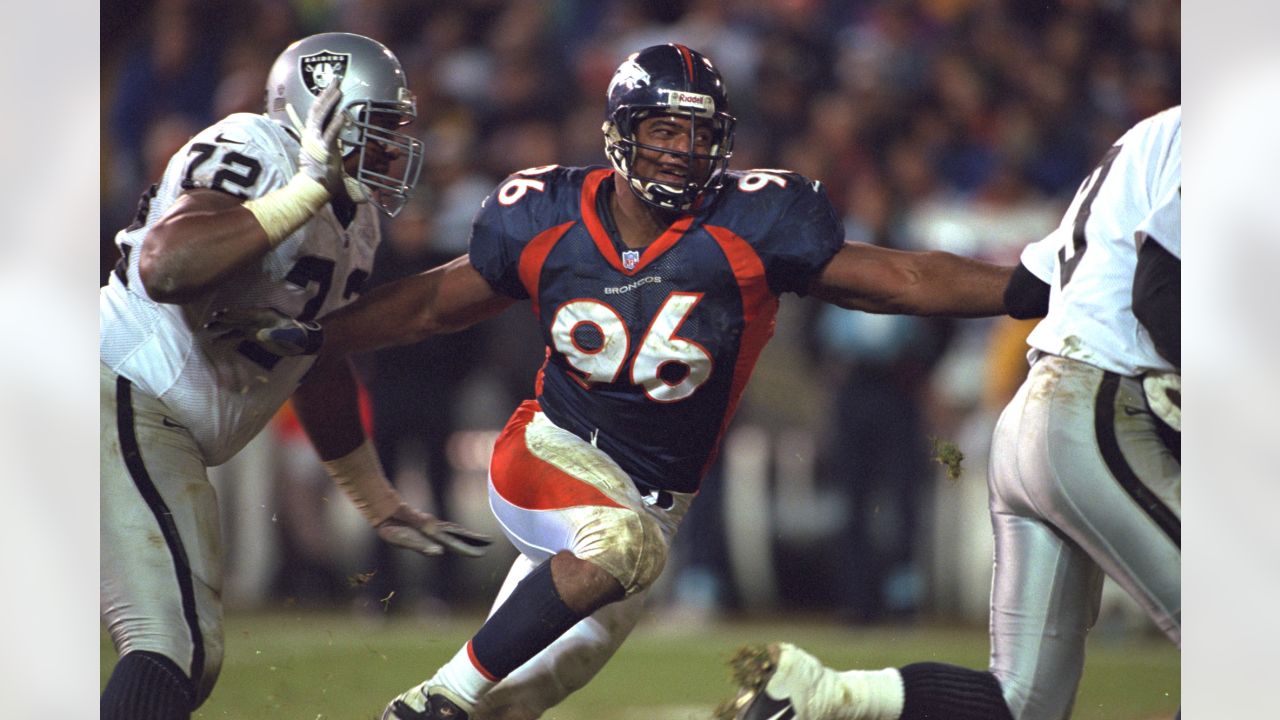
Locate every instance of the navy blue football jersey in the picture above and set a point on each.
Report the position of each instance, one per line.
(648, 351)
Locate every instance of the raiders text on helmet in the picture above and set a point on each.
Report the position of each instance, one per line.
(373, 84)
(669, 80)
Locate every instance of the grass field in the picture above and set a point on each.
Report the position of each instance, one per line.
(332, 666)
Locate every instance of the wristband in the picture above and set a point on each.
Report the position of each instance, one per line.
(360, 475)
(285, 209)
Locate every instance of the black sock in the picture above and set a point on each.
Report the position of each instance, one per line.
(531, 619)
(934, 691)
(147, 686)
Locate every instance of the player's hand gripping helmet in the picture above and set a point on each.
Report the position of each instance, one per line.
(669, 80)
(373, 89)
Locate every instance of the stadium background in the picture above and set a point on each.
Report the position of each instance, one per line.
(953, 124)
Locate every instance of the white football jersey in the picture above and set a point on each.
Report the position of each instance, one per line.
(225, 392)
(1089, 260)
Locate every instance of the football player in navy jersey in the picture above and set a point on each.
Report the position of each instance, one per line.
(656, 284)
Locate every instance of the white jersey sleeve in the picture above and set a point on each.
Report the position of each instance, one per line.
(1038, 257)
(226, 392)
(1095, 252)
(1164, 224)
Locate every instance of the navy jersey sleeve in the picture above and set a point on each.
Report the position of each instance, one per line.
(495, 250)
(803, 238)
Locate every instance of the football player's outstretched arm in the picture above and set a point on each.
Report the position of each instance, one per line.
(881, 280)
(328, 407)
(445, 299)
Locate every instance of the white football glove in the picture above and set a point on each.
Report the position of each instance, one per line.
(427, 534)
(321, 150)
(320, 176)
(1164, 395)
(273, 330)
(320, 159)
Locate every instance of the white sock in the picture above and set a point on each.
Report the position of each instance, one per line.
(461, 676)
(821, 693)
(876, 694)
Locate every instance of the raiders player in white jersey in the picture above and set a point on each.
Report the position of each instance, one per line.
(1085, 472)
(263, 215)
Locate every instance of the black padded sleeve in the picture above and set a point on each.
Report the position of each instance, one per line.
(1157, 299)
(1026, 296)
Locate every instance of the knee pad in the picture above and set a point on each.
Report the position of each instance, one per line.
(628, 545)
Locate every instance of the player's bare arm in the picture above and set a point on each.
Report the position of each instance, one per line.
(881, 280)
(445, 299)
(206, 237)
(327, 406)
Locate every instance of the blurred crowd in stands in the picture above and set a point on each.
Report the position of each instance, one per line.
(963, 125)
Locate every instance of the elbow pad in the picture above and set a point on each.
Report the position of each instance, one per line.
(1026, 296)
(1157, 299)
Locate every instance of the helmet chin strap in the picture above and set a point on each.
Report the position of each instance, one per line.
(294, 120)
(355, 189)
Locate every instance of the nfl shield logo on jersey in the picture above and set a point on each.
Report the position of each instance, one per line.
(321, 69)
(630, 258)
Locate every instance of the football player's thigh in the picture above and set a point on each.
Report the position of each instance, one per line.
(551, 491)
(1044, 598)
(1120, 500)
(160, 540)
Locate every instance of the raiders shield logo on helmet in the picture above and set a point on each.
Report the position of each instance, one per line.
(321, 69)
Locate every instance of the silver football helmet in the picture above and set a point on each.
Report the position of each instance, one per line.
(375, 95)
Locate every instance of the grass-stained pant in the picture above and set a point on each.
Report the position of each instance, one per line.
(161, 544)
(551, 491)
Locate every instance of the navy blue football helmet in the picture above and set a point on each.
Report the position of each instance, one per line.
(669, 79)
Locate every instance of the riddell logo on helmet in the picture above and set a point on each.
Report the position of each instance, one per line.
(702, 104)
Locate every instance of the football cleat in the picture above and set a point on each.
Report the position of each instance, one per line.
(753, 667)
(427, 703)
(780, 681)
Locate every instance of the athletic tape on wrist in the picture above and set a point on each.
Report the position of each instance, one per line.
(285, 209)
(360, 475)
